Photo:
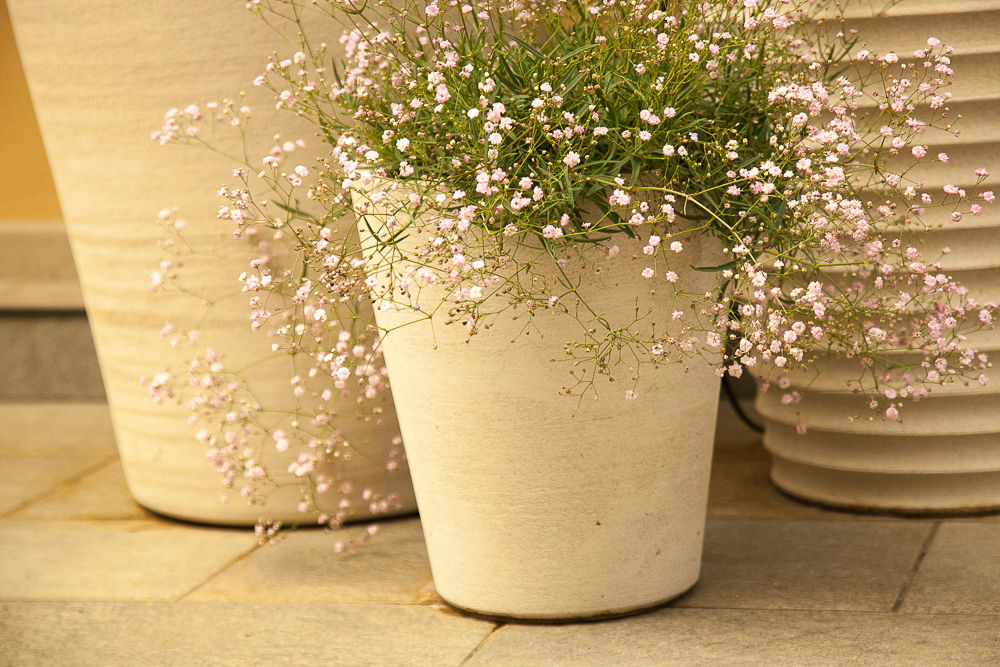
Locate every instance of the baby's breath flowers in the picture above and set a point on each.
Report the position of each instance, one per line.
(515, 135)
(332, 429)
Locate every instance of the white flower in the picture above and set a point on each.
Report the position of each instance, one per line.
(572, 159)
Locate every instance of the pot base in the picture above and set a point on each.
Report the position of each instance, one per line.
(246, 520)
(563, 619)
(887, 493)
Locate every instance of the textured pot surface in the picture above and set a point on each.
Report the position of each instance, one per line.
(943, 457)
(535, 505)
(101, 75)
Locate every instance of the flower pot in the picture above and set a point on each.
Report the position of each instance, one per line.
(101, 77)
(943, 457)
(537, 505)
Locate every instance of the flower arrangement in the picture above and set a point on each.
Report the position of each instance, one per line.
(484, 146)
(333, 425)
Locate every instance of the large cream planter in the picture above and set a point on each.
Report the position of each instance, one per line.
(101, 75)
(531, 511)
(944, 456)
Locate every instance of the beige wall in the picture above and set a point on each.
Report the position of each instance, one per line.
(26, 189)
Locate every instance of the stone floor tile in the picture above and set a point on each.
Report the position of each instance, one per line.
(745, 637)
(24, 479)
(960, 573)
(114, 634)
(303, 567)
(112, 560)
(829, 565)
(51, 427)
(101, 495)
(46, 444)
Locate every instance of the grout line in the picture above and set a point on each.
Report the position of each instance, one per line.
(60, 486)
(213, 575)
(924, 548)
(793, 610)
(479, 646)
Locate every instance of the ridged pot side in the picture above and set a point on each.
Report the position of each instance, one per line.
(944, 457)
(535, 505)
(101, 75)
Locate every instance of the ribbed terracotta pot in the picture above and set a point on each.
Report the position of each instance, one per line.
(944, 457)
(535, 506)
(101, 75)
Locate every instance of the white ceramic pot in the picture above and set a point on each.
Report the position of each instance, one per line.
(533, 505)
(944, 457)
(101, 75)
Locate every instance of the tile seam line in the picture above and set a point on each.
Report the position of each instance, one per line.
(216, 573)
(829, 610)
(794, 610)
(59, 486)
(912, 574)
(482, 642)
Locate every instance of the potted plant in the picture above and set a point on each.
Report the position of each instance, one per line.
(592, 201)
(941, 456)
(111, 182)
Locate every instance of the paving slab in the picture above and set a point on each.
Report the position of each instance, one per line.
(112, 560)
(960, 573)
(745, 637)
(219, 633)
(302, 566)
(101, 495)
(24, 479)
(808, 565)
(44, 445)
